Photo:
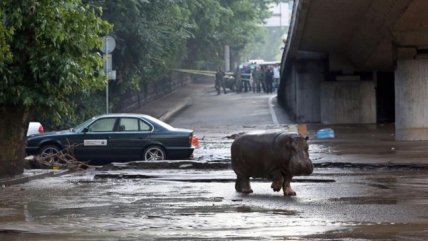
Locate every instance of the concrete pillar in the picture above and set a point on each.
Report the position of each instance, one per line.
(411, 99)
(367, 102)
(340, 102)
(308, 81)
(289, 92)
(348, 102)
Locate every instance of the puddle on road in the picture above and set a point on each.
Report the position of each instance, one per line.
(318, 148)
(129, 209)
(212, 151)
(363, 200)
(74, 208)
(376, 231)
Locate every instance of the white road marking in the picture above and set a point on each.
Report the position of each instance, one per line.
(272, 111)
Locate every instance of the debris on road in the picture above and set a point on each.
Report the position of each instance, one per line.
(325, 133)
(61, 160)
(234, 136)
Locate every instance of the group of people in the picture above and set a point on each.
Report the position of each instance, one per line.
(247, 78)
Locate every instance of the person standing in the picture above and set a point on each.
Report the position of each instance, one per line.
(246, 78)
(263, 71)
(256, 80)
(276, 76)
(238, 80)
(219, 81)
(269, 80)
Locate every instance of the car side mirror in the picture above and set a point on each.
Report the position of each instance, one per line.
(85, 130)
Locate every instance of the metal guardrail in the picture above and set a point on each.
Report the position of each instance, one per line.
(200, 72)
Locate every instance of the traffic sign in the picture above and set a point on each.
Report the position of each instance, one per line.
(111, 75)
(108, 44)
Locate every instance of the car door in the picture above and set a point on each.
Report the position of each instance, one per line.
(95, 141)
(130, 137)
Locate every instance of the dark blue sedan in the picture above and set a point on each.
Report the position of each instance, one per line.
(117, 137)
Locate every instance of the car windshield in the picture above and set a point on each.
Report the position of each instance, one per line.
(82, 125)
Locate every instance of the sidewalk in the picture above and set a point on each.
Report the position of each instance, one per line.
(167, 106)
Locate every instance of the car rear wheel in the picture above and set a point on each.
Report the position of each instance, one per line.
(154, 153)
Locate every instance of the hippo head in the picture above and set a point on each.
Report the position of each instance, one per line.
(299, 162)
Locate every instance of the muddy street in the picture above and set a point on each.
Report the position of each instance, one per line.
(202, 204)
(360, 189)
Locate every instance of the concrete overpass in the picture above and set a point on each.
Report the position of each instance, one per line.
(358, 61)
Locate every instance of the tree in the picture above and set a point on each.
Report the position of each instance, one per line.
(149, 37)
(219, 23)
(49, 50)
(267, 45)
(154, 36)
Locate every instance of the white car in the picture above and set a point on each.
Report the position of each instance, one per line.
(34, 128)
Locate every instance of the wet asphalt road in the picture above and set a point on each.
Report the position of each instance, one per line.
(184, 203)
(202, 204)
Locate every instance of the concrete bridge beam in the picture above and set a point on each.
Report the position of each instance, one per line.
(411, 99)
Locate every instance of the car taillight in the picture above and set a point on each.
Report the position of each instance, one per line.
(41, 130)
(195, 141)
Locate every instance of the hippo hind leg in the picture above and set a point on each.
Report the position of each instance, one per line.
(242, 184)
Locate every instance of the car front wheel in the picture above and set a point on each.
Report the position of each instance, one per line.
(49, 150)
(154, 153)
(49, 153)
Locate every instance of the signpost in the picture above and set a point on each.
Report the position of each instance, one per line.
(109, 44)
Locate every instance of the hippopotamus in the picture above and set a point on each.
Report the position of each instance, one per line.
(278, 156)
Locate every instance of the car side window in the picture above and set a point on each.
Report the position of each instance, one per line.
(128, 124)
(102, 125)
(144, 126)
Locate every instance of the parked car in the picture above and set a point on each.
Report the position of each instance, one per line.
(34, 128)
(117, 137)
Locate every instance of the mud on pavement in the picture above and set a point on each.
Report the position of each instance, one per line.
(195, 199)
(202, 204)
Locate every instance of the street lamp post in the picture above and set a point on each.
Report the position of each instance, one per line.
(106, 73)
(107, 48)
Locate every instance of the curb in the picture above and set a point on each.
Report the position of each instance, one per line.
(23, 179)
(223, 164)
(179, 107)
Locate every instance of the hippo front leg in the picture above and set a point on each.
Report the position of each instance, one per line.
(288, 191)
(277, 182)
(242, 184)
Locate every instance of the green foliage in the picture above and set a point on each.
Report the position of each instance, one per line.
(267, 44)
(5, 33)
(149, 36)
(219, 23)
(154, 36)
(48, 48)
(50, 54)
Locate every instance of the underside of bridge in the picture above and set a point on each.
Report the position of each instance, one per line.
(358, 61)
